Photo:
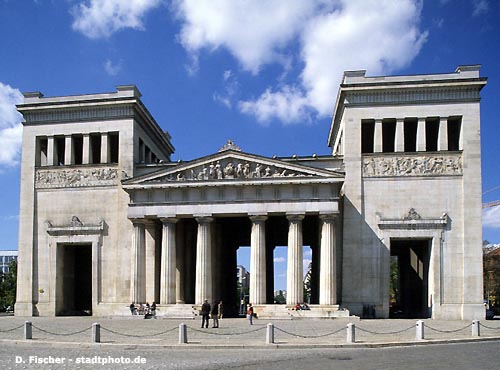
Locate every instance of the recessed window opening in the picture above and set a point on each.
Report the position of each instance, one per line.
(431, 134)
(60, 147)
(95, 148)
(147, 155)
(367, 132)
(410, 134)
(114, 143)
(78, 149)
(388, 135)
(454, 127)
(41, 159)
(141, 151)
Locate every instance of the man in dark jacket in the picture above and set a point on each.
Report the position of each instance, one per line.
(215, 314)
(205, 313)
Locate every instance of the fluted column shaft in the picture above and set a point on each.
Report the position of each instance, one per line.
(421, 144)
(327, 271)
(168, 262)
(203, 288)
(377, 139)
(399, 145)
(68, 150)
(258, 260)
(443, 134)
(137, 282)
(295, 275)
(150, 260)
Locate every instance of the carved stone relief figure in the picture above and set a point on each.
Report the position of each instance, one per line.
(412, 166)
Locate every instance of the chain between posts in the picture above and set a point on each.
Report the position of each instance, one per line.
(448, 331)
(488, 327)
(9, 330)
(309, 336)
(138, 336)
(62, 334)
(385, 333)
(225, 334)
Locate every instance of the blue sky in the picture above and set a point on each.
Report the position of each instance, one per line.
(264, 73)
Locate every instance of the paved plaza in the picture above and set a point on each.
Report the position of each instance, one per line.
(237, 333)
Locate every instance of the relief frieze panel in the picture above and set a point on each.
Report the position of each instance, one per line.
(414, 165)
(231, 169)
(75, 177)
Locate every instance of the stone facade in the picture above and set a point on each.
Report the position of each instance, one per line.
(107, 219)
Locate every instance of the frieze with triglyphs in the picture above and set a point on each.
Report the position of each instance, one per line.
(75, 177)
(420, 165)
(230, 169)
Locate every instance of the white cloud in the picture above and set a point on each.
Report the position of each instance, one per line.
(480, 7)
(279, 259)
(334, 35)
(101, 18)
(111, 68)
(491, 217)
(10, 125)
(231, 87)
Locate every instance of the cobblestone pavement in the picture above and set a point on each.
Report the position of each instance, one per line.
(235, 332)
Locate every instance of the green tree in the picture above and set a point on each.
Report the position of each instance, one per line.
(307, 284)
(8, 286)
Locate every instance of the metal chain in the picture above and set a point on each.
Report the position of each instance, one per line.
(309, 336)
(63, 334)
(447, 331)
(488, 327)
(225, 334)
(9, 330)
(384, 333)
(138, 336)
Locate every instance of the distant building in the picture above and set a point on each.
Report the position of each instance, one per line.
(243, 276)
(6, 257)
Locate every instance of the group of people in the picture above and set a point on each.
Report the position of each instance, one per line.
(143, 309)
(216, 311)
(302, 306)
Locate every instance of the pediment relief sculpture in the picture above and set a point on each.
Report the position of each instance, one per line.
(231, 169)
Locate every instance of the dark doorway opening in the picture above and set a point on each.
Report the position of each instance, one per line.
(74, 280)
(409, 278)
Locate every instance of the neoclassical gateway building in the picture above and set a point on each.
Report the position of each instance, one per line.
(392, 215)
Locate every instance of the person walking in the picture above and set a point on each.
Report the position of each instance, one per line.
(205, 313)
(215, 314)
(250, 313)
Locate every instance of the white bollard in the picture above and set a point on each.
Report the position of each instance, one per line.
(183, 338)
(96, 333)
(420, 330)
(351, 333)
(476, 328)
(28, 330)
(270, 334)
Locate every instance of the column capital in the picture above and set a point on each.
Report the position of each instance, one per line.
(204, 219)
(295, 217)
(258, 218)
(328, 217)
(137, 221)
(168, 220)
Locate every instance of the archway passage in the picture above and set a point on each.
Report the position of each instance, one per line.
(409, 278)
(74, 297)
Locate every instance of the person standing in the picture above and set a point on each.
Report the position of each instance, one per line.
(250, 313)
(215, 315)
(205, 313)
(221, 308)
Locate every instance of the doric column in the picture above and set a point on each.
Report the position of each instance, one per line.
(150, 257)
(421, 146)
(400, 138)
(68, 150)
(443, 134)
(104, 148)
(203, 287)
(50, 150)
(258, 260)
(295, 276)
(86, 149)
(137, 281)
(168, 262)
(377, 136)
(327, 271)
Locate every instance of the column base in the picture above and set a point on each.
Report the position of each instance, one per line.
(25, 309)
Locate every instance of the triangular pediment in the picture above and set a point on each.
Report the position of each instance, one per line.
(231, 165)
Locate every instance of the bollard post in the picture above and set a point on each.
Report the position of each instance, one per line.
(183, 339)
(270, 334)
(96, 333)
(351, 333)
(28, 330)
(476, 328)
(420, 330)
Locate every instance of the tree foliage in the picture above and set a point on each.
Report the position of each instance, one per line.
(8, 287)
